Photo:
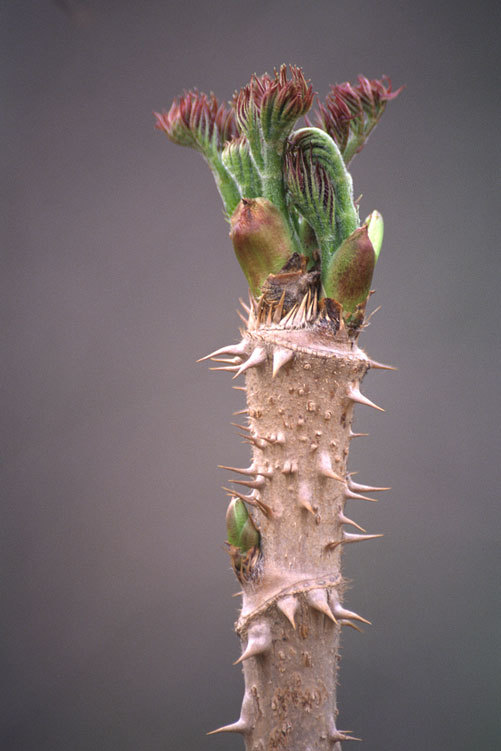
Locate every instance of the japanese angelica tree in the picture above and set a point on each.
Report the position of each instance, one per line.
(309, 263)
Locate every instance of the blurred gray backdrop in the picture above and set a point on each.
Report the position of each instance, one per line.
(118, 273)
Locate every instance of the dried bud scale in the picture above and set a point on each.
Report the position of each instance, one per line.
(297, 236)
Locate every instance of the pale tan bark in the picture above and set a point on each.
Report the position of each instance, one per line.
(292, 614)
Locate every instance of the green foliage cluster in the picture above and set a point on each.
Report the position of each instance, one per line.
(301, 176)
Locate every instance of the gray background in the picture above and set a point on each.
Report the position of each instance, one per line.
(118, 273)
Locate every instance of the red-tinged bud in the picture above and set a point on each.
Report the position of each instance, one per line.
(312, 192)
(197, 120)
(374, 94)
(275, 101)
(348, 277)
(261, 240)
(350, 113)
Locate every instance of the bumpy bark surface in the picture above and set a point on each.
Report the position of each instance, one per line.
(303, 372)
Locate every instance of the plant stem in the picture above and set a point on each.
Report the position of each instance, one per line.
(292, 612)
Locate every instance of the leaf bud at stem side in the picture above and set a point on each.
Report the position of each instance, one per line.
(347, 278)
(261, 240)
(375, 228)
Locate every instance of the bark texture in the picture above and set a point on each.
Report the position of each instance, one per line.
(302, 374)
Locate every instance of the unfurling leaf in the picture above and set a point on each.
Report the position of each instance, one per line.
(321, 188)
(198, 120)
(238, 161)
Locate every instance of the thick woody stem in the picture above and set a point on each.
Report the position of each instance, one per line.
(301, 385)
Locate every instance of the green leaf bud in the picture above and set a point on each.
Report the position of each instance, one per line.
(375, 228)
(236, 516)
(242, 533)
(347, 279)
(249, 536)
(261, 240)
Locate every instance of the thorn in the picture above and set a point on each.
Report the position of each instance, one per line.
(252, 500)
(231, 349)
(228, 360)
(373, 313)
(241, 470)
(240, 726)
(244, 306)
(245, 498)
(341, 735)
(242, 317)
(281, 356)
(264, 508)
(257, 357)
(259, 443)
(258, 642)
(239, 388)
(299, 318)
(278, 312)
(257, 483)
(350, 537)
(352, 435)
(380, 365)
(305, 497)
(344, 520)
(349, 614)
(270, 440)
(348, 493)
(258, 309)
(290, 467)
(241, 427)
(244, 411)
(355, 395)
(244, 723)
(317, 599)
(288, 606)
(364, 488)
(228, 368)
(290, 315)
(324, 467)
(315, 305)
(345, 622)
